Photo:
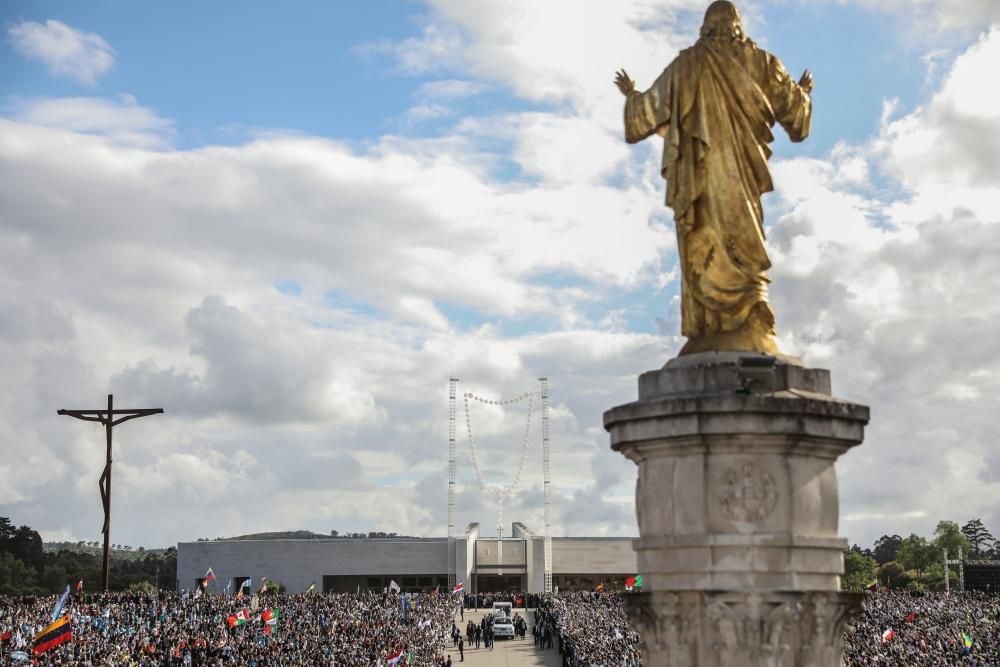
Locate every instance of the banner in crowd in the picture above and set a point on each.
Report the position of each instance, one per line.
(270, 618)
(239, 618)
(52, 635)
(59, 604)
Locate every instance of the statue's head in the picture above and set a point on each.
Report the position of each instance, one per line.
(722, 20)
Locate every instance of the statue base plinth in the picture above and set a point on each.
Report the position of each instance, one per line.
(777, 629)
(737, 499)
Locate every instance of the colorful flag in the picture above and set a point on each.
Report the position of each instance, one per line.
(270, 618)
(52, 635)
(459, 587)
(599, 587)
(887, 635)
(312, 587)
(967, 642)
(59, 604)
(911, 617)
(873, 586)
(209, 576)
(393, 586)
(629, 583)
(394, 657)
(79, 586)
(239, 618)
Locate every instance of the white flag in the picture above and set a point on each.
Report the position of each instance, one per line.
(393, 586)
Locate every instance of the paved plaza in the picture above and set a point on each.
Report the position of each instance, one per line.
(506, 652)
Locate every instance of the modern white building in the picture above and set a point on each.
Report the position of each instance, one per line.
(415, 564)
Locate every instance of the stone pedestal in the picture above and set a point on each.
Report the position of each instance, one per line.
(737, 507)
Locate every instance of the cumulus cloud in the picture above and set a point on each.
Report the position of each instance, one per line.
(892, 289)
(161, 275)
(123, 119)
(407, 255)
(65, 50)
(931, 17)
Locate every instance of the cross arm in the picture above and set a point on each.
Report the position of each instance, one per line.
(85, 415)
(134, 414)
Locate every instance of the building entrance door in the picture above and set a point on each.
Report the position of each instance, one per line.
(499, 583)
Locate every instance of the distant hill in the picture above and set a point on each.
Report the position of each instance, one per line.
(308, 535)
(279, 535)
(118, 551)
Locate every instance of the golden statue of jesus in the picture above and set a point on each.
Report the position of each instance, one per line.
(714, 106)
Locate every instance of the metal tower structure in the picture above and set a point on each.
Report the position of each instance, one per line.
(451, 484)
(500, 491)
(546, 484)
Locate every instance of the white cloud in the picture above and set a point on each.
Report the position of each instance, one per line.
(123, 120)
(449, 89)
(892, 288)
(933, 17)
(405, 253)
(65, 50)
(152, 274)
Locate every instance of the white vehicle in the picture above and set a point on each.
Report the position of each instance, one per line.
(503, 620)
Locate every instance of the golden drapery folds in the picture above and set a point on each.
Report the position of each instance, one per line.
(715, 105)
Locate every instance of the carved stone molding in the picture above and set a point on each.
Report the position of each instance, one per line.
(750, 493)
(699, 629)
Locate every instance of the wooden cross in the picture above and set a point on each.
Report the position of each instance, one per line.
(110, 418)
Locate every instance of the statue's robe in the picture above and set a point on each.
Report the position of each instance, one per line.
(715, 105)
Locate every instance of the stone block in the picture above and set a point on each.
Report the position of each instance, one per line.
(737, 503)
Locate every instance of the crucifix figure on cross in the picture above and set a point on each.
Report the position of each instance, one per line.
(109, 418)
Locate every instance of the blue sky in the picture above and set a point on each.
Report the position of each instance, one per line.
(290, 223)
(222, 72)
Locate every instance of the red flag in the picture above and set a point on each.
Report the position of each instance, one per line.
(239, 618)
(79, 586)
(912, 617)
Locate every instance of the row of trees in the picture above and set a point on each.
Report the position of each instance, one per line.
(27, 569)
(915, 562)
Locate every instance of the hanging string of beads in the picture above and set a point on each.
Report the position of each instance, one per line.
(497, 489)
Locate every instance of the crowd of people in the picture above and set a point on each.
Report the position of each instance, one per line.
(368, 629)
(592, 630)
(925, 629)
(180, 629)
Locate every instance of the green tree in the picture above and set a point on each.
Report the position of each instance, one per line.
(16, 578)
(949, 536)
(915, 553)
(892, 575)
(977, 535)
(859, 570)
(886, 548)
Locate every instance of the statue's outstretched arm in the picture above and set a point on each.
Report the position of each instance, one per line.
(647, 112)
